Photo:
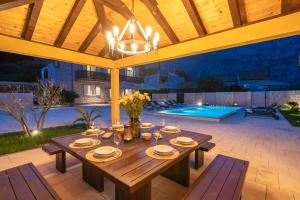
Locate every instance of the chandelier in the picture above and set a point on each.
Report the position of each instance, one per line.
(132, 46)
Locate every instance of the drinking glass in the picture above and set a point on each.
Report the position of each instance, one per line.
(117, 138)
(156, 135)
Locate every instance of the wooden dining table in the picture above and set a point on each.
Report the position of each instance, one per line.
(133, 171)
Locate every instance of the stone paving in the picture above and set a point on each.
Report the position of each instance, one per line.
(272, 147)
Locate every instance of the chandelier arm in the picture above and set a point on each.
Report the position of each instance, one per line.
(123, 31)
(141, 29)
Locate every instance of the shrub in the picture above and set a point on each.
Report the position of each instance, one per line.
(68, 96)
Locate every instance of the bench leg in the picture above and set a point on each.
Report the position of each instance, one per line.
(61, 162)
(143, 193)
(180, 172)
(199, 159)
(92, 176)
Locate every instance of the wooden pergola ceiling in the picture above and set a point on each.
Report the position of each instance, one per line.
(80, 25)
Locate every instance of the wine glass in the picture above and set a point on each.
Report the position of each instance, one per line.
(117, 138)
(156, 136)
(163, 122)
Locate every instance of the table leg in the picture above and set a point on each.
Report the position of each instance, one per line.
(143, 193)
(199, 159)
(61, 162)
(180, 172)
(92, 176)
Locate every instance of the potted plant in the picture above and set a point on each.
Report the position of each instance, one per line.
(133, 105)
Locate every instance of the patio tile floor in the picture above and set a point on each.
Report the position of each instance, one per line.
(272, 147)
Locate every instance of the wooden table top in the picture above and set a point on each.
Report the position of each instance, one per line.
(134, 167)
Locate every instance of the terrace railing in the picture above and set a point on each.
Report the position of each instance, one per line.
(84, 75)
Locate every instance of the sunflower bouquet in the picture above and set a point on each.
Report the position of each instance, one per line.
(133, 105)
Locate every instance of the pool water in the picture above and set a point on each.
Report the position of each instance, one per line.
(214, 112)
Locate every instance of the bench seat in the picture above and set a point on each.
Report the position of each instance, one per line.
(222, 179)
(60, 155)
(25, 182)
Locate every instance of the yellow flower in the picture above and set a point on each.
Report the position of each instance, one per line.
(136, 93)
(141, 97)
(146, 94)
(148, 98)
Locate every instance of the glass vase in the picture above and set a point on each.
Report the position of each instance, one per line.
(135, 128)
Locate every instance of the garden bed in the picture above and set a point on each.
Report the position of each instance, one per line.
(292, 117)
(17, 141)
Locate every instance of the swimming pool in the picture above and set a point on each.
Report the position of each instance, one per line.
(210, 113)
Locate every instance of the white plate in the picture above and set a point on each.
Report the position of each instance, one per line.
(117, 126)
(163, 149)
(184, 140)
(171, 128)
(83, 141)
(146, 125)
(105, 151)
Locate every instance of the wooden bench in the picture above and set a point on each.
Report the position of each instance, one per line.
(60, 155)
(25, 182)
(199, 154)
(222, 179)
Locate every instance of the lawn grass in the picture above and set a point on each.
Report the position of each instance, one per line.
(17, 141)
(293, 117)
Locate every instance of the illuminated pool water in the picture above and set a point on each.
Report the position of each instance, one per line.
(212, 113)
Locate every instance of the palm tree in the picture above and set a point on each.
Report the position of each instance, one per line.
(87, 117)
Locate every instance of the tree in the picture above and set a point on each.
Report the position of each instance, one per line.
(17, 109)
(210, 84)
(183, 74)
(47, 95)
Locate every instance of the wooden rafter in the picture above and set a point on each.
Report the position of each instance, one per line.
(77, 7)
(286, 7)
(118, 6)
(31, 19)
(91, 36)
(235, 12)
(242, 10)
(8, 4)
(152, 7)
(194, 15)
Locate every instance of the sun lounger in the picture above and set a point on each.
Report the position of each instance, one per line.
(261, 112)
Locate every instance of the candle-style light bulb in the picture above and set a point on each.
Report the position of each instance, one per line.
(134, 46)
(148, 31)
(116, 31)
(108, 35)
(132, 28)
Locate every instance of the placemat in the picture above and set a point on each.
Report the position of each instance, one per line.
(94, 133)
(150, 152)
(173, 141)
(95, 143)
(167, 131)
(90, 156)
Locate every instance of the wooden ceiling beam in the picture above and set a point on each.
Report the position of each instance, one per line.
(194, 16)
(31, 19)
(286, 7)
(235, 13)
(118, 6)
(161, 20)
(8, 4)
(77, 7)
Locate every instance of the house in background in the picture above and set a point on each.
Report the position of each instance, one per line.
(91, 83)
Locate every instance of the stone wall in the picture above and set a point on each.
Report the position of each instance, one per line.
(26, 98)
(242, 98)
(160, 97)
